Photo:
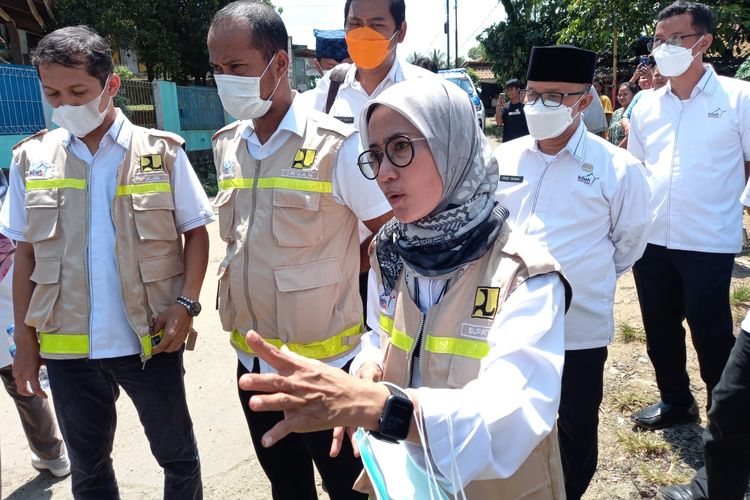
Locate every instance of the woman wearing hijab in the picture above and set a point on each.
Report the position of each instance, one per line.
(469, 342)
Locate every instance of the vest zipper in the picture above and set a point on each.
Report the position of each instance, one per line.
(418, 344)
(250, 224)
(88, 251)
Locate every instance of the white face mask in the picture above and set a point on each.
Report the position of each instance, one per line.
(81, 120)
(545, 123)
(673, 60)
(240, 95)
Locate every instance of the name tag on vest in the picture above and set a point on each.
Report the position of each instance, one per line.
(345, 119)
(511, 178)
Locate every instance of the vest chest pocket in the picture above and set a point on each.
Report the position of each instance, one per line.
(153, 214)
(296, 221)
(225, 201)
(162, 277)
(44, 311)
(42, 213)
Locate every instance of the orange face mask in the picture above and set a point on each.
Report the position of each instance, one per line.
(367, 47)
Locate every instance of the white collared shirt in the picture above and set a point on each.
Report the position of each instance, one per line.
(589, 206)
(694, 151)
(110, 335)
(351, 97)
(497, 419)
(349, 187)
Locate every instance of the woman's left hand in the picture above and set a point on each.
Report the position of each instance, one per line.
(312, 395)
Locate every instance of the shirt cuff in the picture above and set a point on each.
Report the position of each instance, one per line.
(367, 352)
(11, 233)
(203, 220)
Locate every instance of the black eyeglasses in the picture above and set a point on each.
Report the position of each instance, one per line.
(398, 149)
(674, 40)
(549, 99)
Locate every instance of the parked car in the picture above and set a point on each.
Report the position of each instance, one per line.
(460, 77)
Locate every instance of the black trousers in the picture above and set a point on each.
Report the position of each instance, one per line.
(578, 421)
(727, 436)
(289, 463)
(673, 285)
(85, 392)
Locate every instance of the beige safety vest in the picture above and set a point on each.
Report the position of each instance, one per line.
(292, 261)
(149, 249)
(454, 340)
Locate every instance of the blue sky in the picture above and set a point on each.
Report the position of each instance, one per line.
(424, 18)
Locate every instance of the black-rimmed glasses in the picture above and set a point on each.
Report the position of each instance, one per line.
(549, 99)
(398, 149)
(674, 40)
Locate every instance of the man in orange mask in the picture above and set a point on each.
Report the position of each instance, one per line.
(374, 28)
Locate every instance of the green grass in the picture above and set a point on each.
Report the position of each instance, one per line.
(643, 444)
(493, 131)
(739, 295)
(630, 401)
(630, 334)
(656, 474)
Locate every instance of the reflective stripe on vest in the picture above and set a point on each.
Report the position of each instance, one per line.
(149, 187)
(328, 348)
(398, 338)
(475, 349)
(277, 182)
(34, 184)
(78, 343)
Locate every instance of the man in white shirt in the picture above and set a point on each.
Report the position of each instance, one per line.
(374, 28)
(587, 202)
(103, 289)
(693, 135)
(290, 198)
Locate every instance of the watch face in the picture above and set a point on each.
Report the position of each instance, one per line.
(396, 417)
(196, 308)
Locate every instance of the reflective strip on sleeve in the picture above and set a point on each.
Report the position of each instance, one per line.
(277, 183)
(333, 346)
(475, 349)
(149, 187)
(63, 343)
(34, 184)
(398, 338)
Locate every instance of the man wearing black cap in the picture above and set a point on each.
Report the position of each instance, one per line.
(587, 201)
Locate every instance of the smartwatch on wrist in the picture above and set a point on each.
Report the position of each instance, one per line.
(193, 306)
(394, 422)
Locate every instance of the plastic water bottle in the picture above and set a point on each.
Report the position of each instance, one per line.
(43, 377)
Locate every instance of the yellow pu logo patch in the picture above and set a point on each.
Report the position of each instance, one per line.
(486, 302)
(304, 158)
(151, 163)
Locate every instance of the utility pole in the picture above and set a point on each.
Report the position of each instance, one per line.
(447, 34)
(455, 6)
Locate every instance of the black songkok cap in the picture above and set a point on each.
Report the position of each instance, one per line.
(561, 63)
(330, 44)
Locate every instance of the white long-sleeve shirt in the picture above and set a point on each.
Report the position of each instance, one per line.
(502, 415)
(589, 206)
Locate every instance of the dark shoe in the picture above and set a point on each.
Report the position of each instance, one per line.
(676, 492)
(661, 415)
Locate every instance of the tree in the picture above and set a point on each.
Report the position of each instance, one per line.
(476, 53)
(438, 57)
(508, 43)
(414, 57)
(169, 36)
(743, 73)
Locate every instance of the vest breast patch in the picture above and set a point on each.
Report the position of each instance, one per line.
(41, 170)
(227, 169)
(486, 300)
(302, 166)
